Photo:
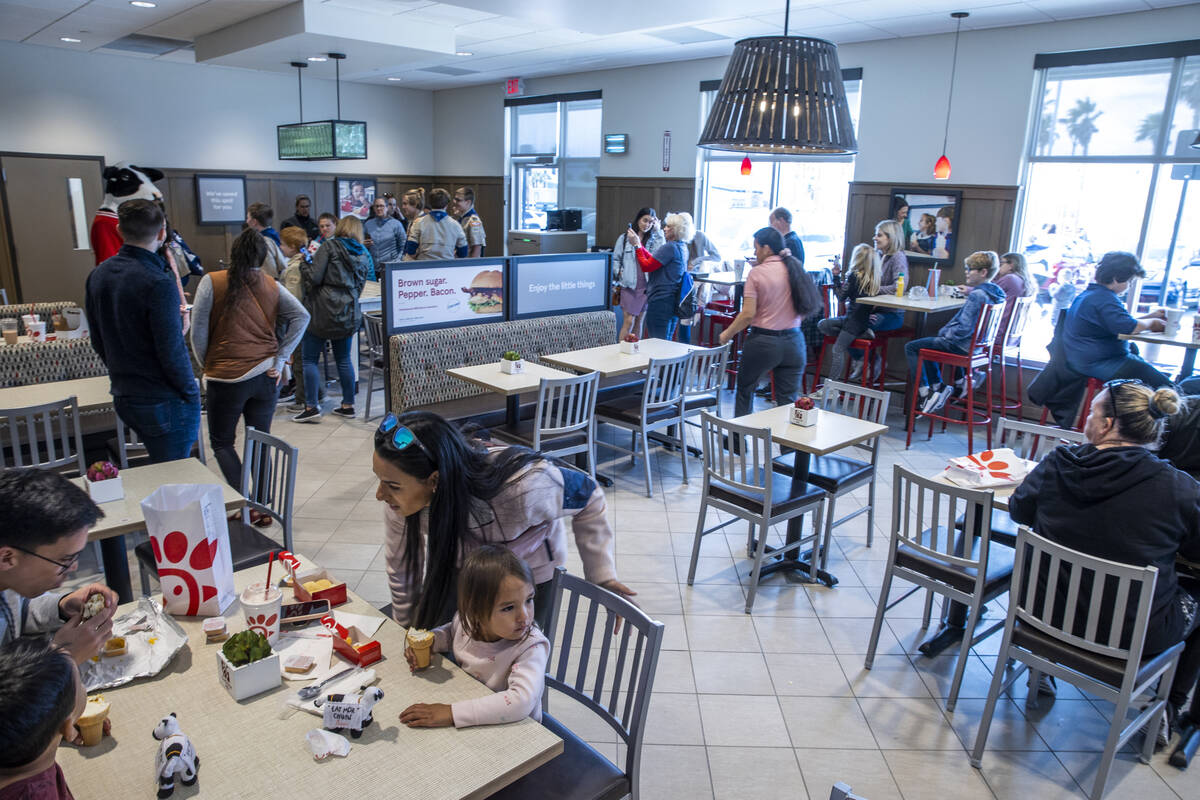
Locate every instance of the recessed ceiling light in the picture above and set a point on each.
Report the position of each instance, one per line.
(143, 4)
(395, 79)
(68, 39)
(316, 58)
(464, 53)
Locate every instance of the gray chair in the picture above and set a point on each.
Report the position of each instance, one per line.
(564, 422)
(1058, 624)
(745, 485)
(659, 405)
(373, 324)
(703, 381)
(928, 550)
(128, 445)
(46, 436)
(613, 678)
(269, 486)
(842, 791)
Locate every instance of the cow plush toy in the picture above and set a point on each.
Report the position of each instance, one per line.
(121, 182)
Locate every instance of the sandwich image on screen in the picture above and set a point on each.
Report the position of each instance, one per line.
(486, 292)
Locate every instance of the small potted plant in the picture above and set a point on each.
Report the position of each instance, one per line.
(511, 363)
(246, 666)
(804, 412)
(103, 481)
(630, 344)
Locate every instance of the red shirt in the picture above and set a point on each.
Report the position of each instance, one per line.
(106, 240)
(46, 785)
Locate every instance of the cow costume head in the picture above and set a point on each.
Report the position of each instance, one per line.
(121, 182)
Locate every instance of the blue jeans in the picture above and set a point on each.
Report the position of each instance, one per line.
(879, 322)
(312, 347)
(932, 369)
(168, 428)
(660, 318)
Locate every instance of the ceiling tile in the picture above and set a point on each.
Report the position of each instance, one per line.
(1074, 9)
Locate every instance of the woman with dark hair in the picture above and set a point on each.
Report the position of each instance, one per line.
(446, 494)
(1113, 498)
(628, 275)
(900, 217)
(779, 294)
(664, 270)
(245, 326)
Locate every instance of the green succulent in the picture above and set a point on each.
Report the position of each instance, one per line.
(511, 355)
(245, 647)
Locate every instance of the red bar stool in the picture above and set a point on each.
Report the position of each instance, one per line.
(833, 308)
(1008, 347)
(1094, 385)
(978, 356)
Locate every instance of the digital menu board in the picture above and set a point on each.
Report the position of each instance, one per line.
(560, 283)
(442, 294)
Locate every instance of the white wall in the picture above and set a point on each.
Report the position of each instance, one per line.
(194, 116)
(905, 82)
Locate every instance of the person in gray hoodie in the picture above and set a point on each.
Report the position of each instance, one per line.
(955, 335)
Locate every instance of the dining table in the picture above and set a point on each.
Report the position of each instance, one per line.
(125, 515)
(832, 432)
(923, 307)
(608, 359)
(91, 394)
(257, 747)
(1180, 337)
(511, 385)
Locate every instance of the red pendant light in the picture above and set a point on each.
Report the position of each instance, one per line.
(746, 165)
(941, 170)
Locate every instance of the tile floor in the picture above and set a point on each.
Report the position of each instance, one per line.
(775, 704)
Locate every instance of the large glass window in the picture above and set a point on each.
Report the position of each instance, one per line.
(554, 156)
(732, 206)
(1105, 167)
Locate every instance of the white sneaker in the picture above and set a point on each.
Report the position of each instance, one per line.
(856, 368)
(937, 400)
(876, 369)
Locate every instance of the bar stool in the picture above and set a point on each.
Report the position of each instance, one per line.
(833, 308)
(978, 356)
(1008, 346)
(1094, 385)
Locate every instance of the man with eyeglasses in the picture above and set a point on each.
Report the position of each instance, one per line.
(44, 523)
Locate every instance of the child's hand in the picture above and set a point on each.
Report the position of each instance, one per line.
(427, 715)
(410, 658)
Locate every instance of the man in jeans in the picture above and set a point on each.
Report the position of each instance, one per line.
(133, 314)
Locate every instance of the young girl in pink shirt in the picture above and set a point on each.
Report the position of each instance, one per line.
(494, 638)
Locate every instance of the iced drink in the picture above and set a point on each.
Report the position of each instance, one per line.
(9, 328)
(262, 615)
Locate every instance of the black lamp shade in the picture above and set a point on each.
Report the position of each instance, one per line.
(781, 94)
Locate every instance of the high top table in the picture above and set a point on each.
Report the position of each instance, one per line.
(1181, 338)
(247, 750)
(92, 394)
(923, 307)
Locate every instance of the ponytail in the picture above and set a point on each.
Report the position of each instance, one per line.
(806, 299)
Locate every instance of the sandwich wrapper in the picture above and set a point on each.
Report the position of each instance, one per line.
(152, 639)
(988, 469)
(313, 641)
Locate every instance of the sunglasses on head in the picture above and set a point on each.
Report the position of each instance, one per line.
(402, 436)
(1112, 399)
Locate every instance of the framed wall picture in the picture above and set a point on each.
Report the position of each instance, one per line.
(220, 199)
(929, 221)
(354, 196)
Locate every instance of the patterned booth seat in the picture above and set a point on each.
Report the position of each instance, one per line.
(43, 362)
(43, 311)
(419, 360)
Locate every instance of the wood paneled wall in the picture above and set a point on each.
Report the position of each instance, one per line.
(985, 219)
(618, 199)
(279, 189)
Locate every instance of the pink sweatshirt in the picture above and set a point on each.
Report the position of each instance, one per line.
(527, 518)
(515, 671)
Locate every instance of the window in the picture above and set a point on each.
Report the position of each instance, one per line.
(554, 157)
(1105, 166)
(733, 206)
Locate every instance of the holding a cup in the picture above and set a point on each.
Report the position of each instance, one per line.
(1174, 315)
(263, 607)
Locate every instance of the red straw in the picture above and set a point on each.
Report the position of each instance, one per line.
(267, 587)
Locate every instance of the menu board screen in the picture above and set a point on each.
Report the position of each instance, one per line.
(443, 294)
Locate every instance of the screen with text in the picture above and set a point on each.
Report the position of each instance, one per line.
(437, 294)
(554, 284)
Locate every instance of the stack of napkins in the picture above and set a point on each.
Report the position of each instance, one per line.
(988, 469)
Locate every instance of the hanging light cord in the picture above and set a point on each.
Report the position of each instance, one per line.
(787, 13)
(953, 70)
(337, 67)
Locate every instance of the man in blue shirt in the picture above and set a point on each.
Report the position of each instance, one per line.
(134, 316)
(1090, 336)
(781, 220)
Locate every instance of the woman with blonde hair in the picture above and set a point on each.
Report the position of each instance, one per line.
(889, 242)
(664, 270)
(863, 281)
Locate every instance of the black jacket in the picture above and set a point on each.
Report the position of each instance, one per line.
(1123, 504)
(332, 285)
(1181, 439)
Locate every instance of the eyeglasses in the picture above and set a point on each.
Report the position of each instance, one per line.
(402, 436)
(63, 567)
(1112, 398)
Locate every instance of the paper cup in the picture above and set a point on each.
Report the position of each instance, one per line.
(263, 615)
(37, 331)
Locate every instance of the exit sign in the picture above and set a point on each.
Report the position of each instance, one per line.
(514, 87)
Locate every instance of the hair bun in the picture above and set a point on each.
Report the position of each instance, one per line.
(1164, 403)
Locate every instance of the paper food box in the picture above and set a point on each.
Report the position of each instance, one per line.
(250, 679)
(352, 644)
(311, 585)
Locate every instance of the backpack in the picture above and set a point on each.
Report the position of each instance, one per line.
(687, 307)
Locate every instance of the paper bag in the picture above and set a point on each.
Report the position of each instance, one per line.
(187, 528)
(991, 468)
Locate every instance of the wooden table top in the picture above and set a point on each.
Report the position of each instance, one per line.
(608, 359)
(247, 750)
(488, 376)
(909, 304)
(832, 432)
(125, 515)
(90, 393)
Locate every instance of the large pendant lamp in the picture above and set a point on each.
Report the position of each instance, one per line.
(941, 170)
(781, 94)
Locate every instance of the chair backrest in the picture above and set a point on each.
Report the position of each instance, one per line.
(1054, 590)
(619, 669)
(1032, 441)
(3, 297)
(374, 327)
(745, 465)
(831, 301)
(1010, 338)
(986, 329)
(269, 478)
(128, 443)
(664, 383)
(706, 370)
(924, 512)
(565, 405)
(842, 792)
(46, 435)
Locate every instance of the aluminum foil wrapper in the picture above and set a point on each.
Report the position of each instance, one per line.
(152, 639)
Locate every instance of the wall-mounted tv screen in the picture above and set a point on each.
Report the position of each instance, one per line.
(558, 284)
(324, 140)
(220, 199)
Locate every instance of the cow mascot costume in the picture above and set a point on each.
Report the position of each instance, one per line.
(128, 182)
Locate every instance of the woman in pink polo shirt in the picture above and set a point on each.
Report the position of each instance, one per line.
(779, 294)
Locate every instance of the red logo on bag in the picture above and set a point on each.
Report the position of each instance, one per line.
(173, 549)
(993, 466)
